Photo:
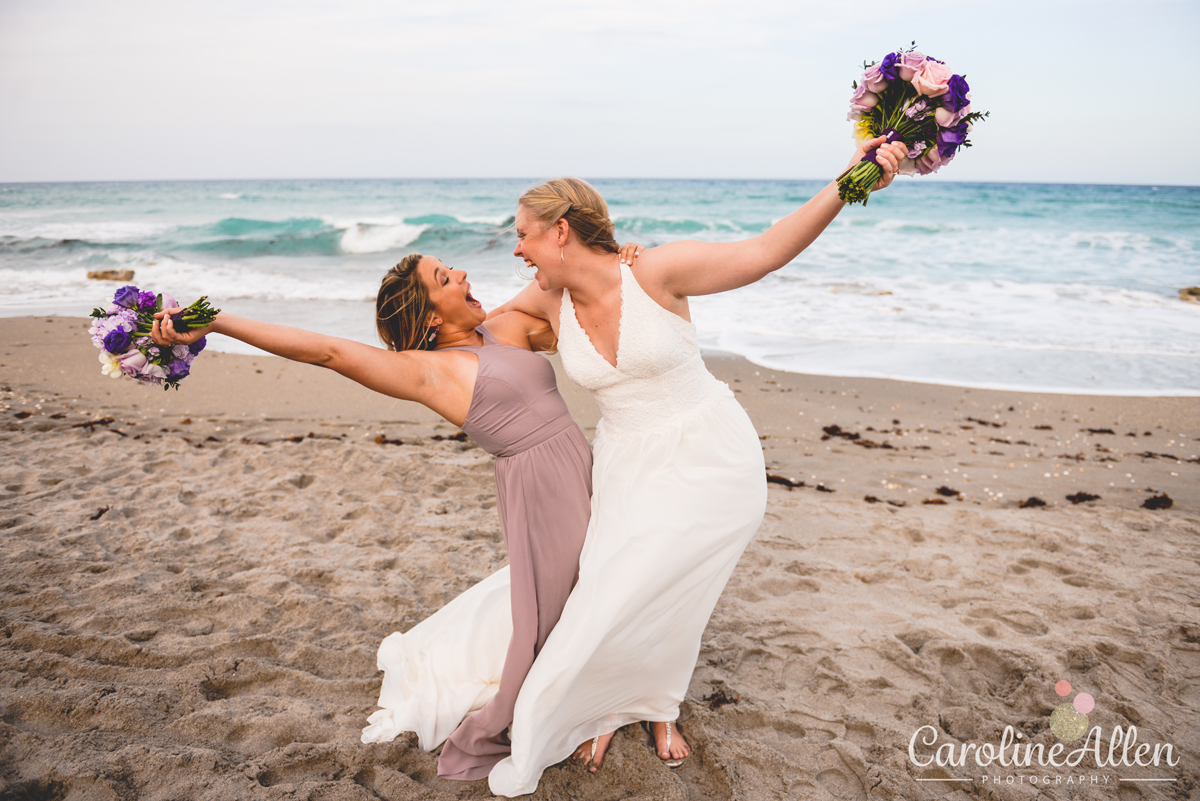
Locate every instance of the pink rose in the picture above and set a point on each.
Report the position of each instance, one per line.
(933, 79)
(948, 119)
(154, 371)
(874, 79)
(133, 362)
(862, 100)
(931, 161)
(910, 65)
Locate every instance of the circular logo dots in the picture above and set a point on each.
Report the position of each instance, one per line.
(1063, 688)
(1067, 724)
(1084, 703)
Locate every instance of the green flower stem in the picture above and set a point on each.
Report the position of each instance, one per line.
(856, 185)
(198, 315)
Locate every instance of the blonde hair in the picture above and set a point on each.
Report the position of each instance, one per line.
(402, 307)
(579, 204)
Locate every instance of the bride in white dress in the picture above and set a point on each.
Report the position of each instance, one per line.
(678, 480)
(678, 483)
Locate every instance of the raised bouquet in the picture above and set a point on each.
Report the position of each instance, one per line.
(122, 332)
(912, 98)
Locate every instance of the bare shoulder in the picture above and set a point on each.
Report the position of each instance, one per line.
(535, 302)
(653, 271)
(514, 327)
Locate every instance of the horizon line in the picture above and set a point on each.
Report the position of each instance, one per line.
(594, 178)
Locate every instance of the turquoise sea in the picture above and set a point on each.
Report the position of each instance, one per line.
(1069, 288)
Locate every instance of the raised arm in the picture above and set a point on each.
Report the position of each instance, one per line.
(703, 268)
(531, 300)
(408, 375)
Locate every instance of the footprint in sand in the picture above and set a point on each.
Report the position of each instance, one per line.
(1019, 620)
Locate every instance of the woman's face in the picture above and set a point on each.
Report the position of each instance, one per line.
(537, 244)
(450, 294)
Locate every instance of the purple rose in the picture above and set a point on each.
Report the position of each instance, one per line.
(890, 66)
(177, 370)
(147, 301)
(198, 345)
(117, 341)
(956, 93)
(949, 140)
(126, 296)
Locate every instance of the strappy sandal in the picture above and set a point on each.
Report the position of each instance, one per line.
(669, 762)
(590, 762)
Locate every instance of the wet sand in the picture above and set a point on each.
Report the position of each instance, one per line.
(195, 584)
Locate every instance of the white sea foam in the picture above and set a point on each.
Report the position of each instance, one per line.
(102, 232)
(69, 291)
(1051, 334)
(230, 195)
(482, 219)
(366, 238)
(374, 234)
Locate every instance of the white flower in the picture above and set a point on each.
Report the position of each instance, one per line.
(110, 365)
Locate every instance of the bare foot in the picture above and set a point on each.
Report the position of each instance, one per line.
(678, 749)
(584, 752)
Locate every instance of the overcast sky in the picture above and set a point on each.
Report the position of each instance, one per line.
(1093, 92)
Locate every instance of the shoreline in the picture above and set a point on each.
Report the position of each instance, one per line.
(719, 354)
(197, 582)
(713, 353)
(891, 437)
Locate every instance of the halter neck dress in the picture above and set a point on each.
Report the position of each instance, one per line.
(679, 489)
(469, 659)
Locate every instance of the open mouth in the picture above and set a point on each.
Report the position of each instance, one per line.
(472, 302)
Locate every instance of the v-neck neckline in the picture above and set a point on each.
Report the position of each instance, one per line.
(616, 362)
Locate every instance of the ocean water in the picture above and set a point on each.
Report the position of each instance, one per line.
(1069, 288)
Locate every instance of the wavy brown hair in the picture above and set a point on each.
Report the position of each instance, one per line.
(579, 204)
(402, 307)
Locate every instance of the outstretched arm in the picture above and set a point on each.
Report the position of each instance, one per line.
(407, 375)
(704, 268)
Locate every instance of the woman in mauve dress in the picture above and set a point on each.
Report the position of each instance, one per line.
(455, 677)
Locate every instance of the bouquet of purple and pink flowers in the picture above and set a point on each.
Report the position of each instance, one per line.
(122, 332)
(912, 98)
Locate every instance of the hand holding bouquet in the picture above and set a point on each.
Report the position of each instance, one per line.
(123, 333)
(911, 98)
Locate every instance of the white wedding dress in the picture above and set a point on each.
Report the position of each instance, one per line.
(679, 488)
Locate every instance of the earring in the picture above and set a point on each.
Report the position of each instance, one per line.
(431, 340)
(561, 258)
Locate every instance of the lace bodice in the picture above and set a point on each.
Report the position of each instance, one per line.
(659, 374)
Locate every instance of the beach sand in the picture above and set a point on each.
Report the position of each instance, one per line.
(195, 584)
